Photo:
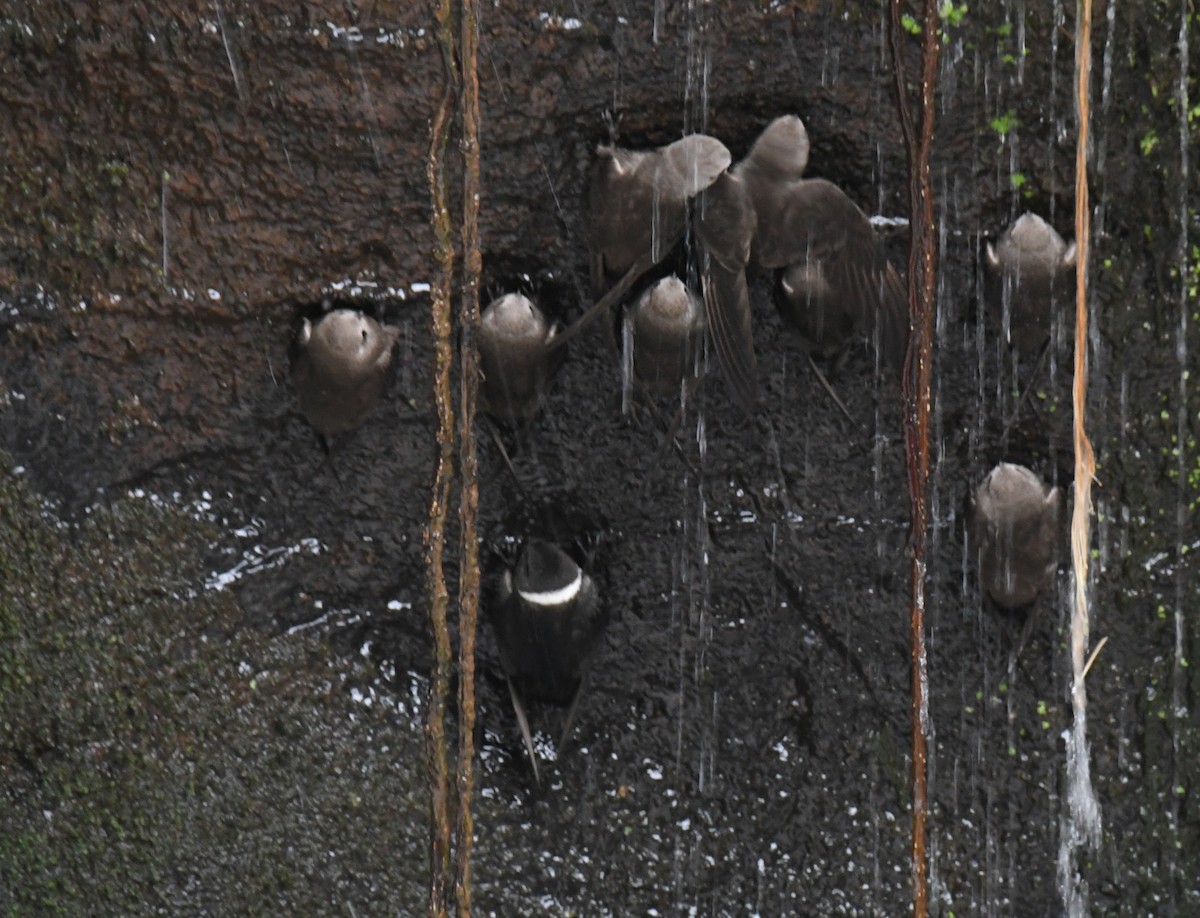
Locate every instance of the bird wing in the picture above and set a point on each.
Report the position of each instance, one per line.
(817, 221)
(725, 224)
(695, 162)
(891, 326)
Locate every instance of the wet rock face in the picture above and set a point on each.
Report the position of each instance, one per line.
(185, 179)
(265, 151)
(233, 148)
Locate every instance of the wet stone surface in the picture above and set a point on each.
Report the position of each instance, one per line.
(743, 745)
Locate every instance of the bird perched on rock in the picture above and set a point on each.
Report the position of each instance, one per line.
(548, 620)
(340, 370)
(1014, 529)
(1031, 267)
(665, 336)
(515, 357)
(638, 202)
(834, 280)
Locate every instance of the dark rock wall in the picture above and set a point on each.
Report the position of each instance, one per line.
(744, 744)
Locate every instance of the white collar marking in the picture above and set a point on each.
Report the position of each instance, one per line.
(558, 597)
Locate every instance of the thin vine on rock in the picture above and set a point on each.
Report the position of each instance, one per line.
(918, 377)
(468, 584)
(437, 756)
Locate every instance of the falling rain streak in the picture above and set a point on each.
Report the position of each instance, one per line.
(1185, 449)
(230, 56)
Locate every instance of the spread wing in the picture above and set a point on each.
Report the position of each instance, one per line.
(696, 161)
(725, 223)
(815, 220)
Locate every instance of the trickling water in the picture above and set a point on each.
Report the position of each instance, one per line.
(1105, 99)
(1082, 826)
(1021, 44)
(980, 349)
(1109, 43)
(1014, 168)
(407, 363)
(1185, 270)
(708, 747)
(626, 363)
(229, 53)
(368, 104)
(943, 234)
(696, 718)
(1103, 520)
(699, 633)
(166, 180)
(679, 621)
(695, 89)
(783, 384)
(1051, 140)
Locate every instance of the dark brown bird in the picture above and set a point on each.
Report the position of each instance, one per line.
(515, 358)
(1014, 528)
(834, 280)
(1032, 267)
(665, 337)
(549, 621)
(638, 200)
(340, 370)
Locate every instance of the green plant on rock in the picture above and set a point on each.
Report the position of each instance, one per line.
(950, 13)
(1005, 124)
